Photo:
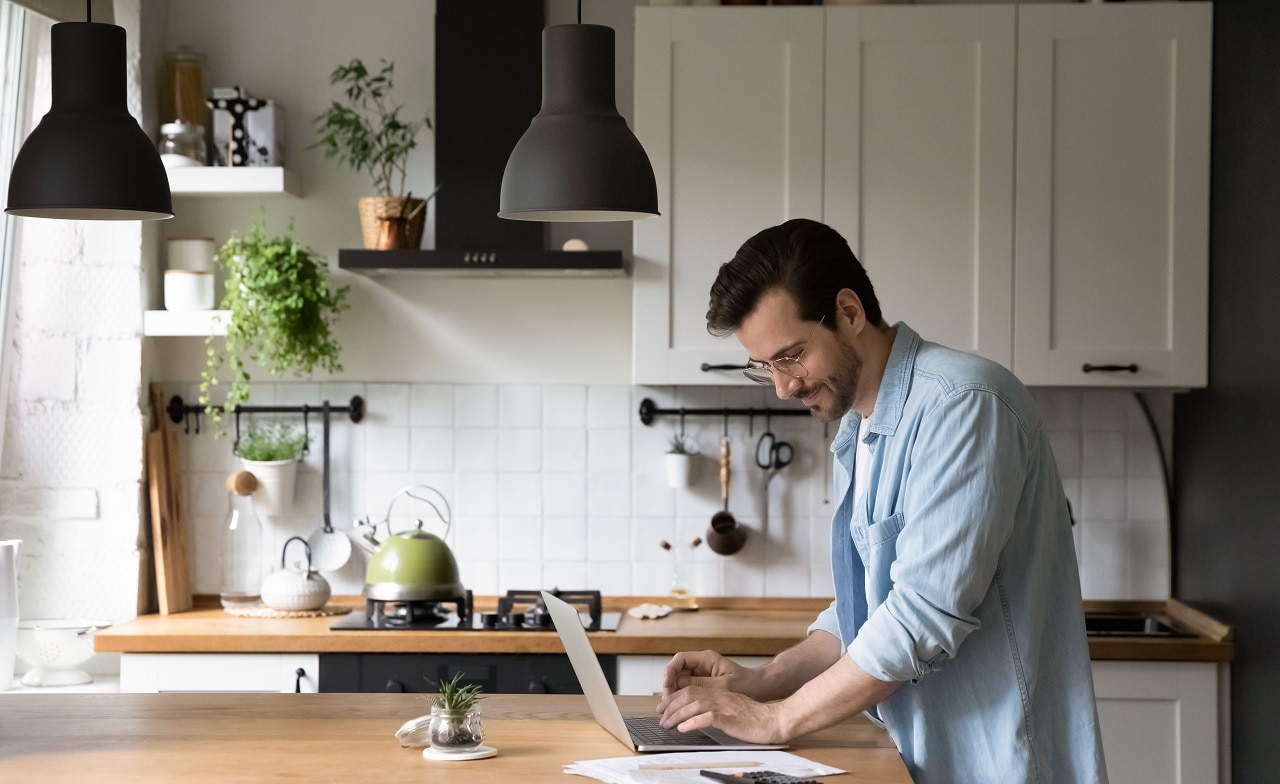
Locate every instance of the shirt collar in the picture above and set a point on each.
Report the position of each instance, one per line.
(891, 398)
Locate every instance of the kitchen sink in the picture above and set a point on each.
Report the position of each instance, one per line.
(1131, 624)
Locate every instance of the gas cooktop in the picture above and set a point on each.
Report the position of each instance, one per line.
(518, 611)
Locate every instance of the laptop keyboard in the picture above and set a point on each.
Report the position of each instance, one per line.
(645, 730)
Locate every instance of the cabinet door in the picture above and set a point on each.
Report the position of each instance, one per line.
(1111, 227)
(729, 109)
(919, 164)
(219, 672)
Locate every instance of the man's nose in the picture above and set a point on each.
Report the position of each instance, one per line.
(785, 386)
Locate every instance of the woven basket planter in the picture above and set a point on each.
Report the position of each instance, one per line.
(374, 208)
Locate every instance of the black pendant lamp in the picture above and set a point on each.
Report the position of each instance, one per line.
(88, 159)
(578, 161)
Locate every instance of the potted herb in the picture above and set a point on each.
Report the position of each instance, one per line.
(680, 461)
(455, 717)
(271, 452)
(281, 308)
(366, 133)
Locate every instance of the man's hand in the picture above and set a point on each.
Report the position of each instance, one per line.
(707, 669)
(696, 707)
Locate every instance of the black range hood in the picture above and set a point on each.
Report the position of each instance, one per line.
(488, 88)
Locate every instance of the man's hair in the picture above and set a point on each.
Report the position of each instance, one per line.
(808, 260)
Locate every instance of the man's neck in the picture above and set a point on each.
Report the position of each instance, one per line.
(874, 352)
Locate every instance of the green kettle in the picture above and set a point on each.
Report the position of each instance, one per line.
(412, 565)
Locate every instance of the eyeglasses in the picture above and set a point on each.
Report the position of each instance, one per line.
(762, 372)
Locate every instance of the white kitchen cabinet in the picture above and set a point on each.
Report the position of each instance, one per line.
(729, 109)
(986, 163)
(1113, 194)
(643, 674)
(918, 168)
(219, 672)
(1163, 722)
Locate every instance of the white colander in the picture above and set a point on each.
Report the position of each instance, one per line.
(55, 649)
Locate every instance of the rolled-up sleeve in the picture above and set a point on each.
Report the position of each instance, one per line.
(958, 502)
(826, 622)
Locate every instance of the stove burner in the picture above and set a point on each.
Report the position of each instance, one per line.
(417, 615)
(518, 611)
(533, 613)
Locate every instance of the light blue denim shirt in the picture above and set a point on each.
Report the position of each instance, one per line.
(961, 580)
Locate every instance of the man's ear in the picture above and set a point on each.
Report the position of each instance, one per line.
(849, 312)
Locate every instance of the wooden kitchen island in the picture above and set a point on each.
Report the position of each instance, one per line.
(164, 738)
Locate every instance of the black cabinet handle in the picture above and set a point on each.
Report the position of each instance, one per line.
(537, 687)
(393, 686)
(297, 684)
(706, 367)
(1109, 368)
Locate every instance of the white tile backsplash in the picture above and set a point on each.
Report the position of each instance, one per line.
(562, 485)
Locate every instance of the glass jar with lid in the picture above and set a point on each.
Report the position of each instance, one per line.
(182, 144)
(180, 93)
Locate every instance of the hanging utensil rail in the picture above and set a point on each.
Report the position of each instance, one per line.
(179, 411)
(649, 411)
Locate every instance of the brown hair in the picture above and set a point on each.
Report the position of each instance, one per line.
(807, 259)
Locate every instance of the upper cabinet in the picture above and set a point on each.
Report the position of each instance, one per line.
(992, 166)
(1112, 219)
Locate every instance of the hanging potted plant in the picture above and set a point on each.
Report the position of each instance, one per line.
(271, 452)
(680, 461)
(367, 134)
(281, 309)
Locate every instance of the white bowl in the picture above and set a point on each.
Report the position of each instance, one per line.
(55, 649)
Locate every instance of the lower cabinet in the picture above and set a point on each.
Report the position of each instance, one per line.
(1164, 722)
(218, 672)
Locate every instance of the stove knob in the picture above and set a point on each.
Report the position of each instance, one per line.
(393, 686)
(544, 620)
(537, 687)
(516, 620)
(489, 620)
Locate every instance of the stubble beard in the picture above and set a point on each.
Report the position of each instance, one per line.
(841, 384)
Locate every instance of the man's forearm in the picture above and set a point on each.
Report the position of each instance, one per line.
(843, 690)
(796, 666)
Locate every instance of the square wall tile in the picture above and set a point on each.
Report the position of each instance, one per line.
(564, 538)
(519, 495)
(477, 493)
(564, 450)
(476, 449)
(564, 406)
(431, 405)
(431, 449)
(519, 449)
(475, 405)
(519, 406)
(388, 404)
(608, 450)
(387, 448)
(519, 539)
(564, 495)
(608, 539)
(608, 495)
(610, 407)
(1102, 455)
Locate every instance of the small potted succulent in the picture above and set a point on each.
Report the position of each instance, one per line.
(455, 717)
(680, 461)
(271, 452)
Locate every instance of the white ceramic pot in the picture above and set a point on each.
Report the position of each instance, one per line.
(276, 481)
(679, 470)
(186, 290)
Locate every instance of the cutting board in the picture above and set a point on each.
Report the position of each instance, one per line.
(168, 523)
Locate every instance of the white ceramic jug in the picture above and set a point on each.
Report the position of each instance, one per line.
(8, 609)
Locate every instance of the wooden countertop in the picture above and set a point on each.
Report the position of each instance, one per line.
(163, 738)
(732, 626)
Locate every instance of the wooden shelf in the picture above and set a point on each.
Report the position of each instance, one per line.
(233, 181)
(185, 322)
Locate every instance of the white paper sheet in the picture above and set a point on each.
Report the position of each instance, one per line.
(655, 768)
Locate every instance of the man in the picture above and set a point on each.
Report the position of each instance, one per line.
(957, 618)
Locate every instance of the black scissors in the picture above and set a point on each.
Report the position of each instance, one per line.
(772, 454)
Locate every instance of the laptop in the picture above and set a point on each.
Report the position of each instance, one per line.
(639, 733)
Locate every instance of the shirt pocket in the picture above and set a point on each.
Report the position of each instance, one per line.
(882, 549)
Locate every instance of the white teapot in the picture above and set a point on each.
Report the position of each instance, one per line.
(291, 589)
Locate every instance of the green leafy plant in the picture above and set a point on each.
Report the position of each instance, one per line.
(274, 440)
(679, 445)
(366, 132)
(454, 696)
(281, 308)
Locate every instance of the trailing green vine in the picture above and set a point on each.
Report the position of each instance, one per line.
(281, 305)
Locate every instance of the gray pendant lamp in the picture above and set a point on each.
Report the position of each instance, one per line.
(578, 161)
(88, 159)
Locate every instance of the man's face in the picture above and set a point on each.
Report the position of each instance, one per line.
(830, 368)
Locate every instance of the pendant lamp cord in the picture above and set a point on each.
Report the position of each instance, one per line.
(88, 10)
(579, 11)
